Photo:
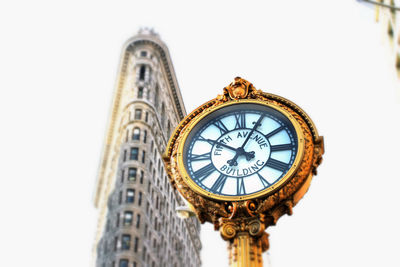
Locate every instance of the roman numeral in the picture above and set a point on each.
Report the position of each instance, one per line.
(201, 138)
(204, 156)
(277, 165)
(204, 172)
(281, 147)
(277, 130)
(241, 190)
(222, 128)
(240, 121)
(219, 183)
(263, 181)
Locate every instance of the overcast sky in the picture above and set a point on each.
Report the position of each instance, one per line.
(58, 65)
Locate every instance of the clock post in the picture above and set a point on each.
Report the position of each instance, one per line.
(242, 160)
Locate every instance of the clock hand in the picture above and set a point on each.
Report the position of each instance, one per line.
(252, 130)
(233, 162)
(240, 150)
(249, 155)
(221, 144)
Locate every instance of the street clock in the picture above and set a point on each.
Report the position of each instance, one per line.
(242, 160)
(240, 150)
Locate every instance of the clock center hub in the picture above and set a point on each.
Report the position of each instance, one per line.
(250, 159)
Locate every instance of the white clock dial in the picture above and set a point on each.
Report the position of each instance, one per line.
(240, 149)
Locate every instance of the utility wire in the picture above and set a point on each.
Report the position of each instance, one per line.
(381, 4)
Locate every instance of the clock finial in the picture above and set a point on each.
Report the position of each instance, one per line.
(238, 89)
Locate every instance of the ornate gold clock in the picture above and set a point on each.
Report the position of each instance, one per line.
(242, 160)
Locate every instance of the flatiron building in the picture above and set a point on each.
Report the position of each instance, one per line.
(137, 222)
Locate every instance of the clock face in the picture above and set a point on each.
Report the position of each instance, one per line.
(240, 150)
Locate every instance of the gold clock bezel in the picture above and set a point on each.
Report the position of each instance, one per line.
(290, 173)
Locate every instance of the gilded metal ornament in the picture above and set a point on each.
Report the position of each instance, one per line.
(242, 219)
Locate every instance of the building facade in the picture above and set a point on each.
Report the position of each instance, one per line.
(137, 223)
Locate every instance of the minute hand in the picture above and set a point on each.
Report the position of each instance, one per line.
(240, 150)
(221, 144)
(252, 130)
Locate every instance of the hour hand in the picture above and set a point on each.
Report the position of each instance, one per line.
(232, 162)
(240, 151)
(249, 155)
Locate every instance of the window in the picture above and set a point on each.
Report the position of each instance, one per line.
(149, 73)
(124, 155)
(136, 134)
(140, 198)
(122, 176)
(117, 220)
(146, 119)
(126, 242)
(168, 130)
(142, 72)
(135, 247)
(162, 115)
(144, 136)
(143, 53)
(130, 195)
(128, 217)
(120, 197)
(140, 92)
(143, 156)
(156, 96)
(144, 253)
(115, 243)
(138, 114)
(123, 263)
(141, 177)
(108, 226)
(132, 174)
(138, 221)
(134, 153)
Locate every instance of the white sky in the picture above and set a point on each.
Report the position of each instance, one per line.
(58, 65)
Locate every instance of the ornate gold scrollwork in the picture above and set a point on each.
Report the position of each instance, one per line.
(238, 89)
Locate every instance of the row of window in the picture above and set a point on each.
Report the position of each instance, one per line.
(125, 263)
(130, 197)
(128, 219)
(134, 154)
(136, 135)
(132, 175)
(126, 243)
(163, 119)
